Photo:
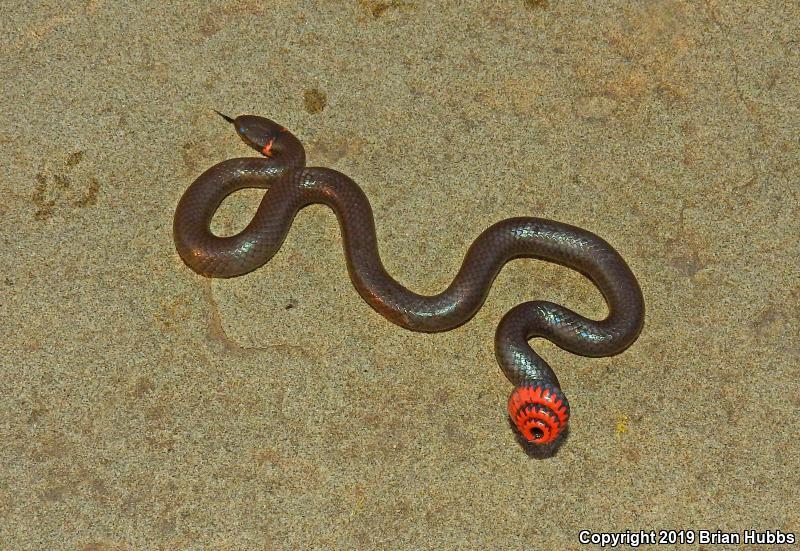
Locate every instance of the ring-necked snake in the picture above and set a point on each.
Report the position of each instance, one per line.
(537, 405)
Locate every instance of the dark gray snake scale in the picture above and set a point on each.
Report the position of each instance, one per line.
(537, 406)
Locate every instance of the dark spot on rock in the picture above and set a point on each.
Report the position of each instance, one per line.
(208, 27)
(380, 8)
(188, 155)
(769, 323)
(91, 194)
(54, 493)
(167, 525)
(98, 489)
(74, 159)
(143, 386)
(35, 415)
(687, 262)
(57, 188)
(314, 100)
(332, 149)
(44, 206)
(61, 181)
(537, 4)
(632, 454)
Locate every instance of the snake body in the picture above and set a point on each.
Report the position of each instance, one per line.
(537, 406)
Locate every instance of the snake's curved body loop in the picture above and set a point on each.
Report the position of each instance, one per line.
(538, 407)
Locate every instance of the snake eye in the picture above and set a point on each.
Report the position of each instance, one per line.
(540, 412)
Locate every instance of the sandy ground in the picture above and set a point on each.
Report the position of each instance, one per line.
(145, 407)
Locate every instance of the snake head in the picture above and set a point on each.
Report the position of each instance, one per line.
(258, 132)
(540, 411)
(269, 138)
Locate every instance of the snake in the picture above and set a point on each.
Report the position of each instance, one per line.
(537, 407)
